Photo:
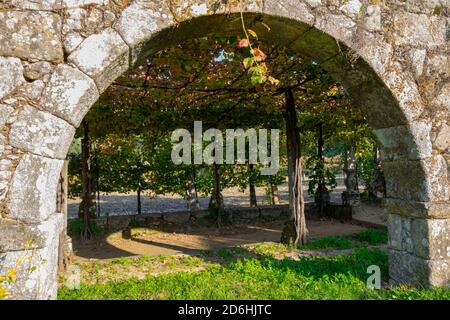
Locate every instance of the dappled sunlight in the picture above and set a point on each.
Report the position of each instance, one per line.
(266, 271)
(120, 269)
(354, 87)
(153, 242)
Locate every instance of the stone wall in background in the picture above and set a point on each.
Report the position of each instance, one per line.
(184, 218)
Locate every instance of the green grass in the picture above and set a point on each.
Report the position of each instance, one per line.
(262, 277)
(262, 271)
(339, 243)
(370, 237)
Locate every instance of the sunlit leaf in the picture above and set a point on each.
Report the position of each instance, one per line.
(273, 81)
(252, 33)
(243, 43)
(248, 62)
(258, 79)
(259, 54)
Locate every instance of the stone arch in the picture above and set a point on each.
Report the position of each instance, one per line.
(59, 56)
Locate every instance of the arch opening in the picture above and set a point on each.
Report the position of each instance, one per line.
(414, 201)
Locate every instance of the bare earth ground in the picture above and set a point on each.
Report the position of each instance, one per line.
(172, 242)
(94, 271)
(151, 242)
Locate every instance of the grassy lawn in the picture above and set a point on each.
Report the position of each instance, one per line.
(266, 271)
(370, 237)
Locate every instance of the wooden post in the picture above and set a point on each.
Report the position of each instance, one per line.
(252, 189)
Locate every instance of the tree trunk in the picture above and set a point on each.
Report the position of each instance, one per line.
(322, 196)
(85, 209)
(192, 192)
(274, 195)
(290, 173)
(139, 204)
(320, 144)
(65, 244)
(97, 181)
(351, 195)
(252, 188)
(356, 177)
(217, 197)
(295, 231)
(377, 186)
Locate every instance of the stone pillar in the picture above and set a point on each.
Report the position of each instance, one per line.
(31, 251)
(419, 222)
(29, 233)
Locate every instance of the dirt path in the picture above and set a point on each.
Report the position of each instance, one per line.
(153, 243)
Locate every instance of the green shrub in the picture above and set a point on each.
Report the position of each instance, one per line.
(77, 225)
(372, 236)
(339, 243)
(134, 223)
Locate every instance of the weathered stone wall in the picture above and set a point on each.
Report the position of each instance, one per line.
(182, 218)
(57, 56)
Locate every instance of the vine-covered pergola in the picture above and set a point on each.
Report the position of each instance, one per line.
(58, 56)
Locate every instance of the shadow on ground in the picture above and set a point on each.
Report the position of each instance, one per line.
(171, 240)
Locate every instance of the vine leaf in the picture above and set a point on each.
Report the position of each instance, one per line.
(252, 33)
(248, 62)
(273, 81)
(259, 54)
(243, 43)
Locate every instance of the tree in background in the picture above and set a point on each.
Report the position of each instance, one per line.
(226, 83)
